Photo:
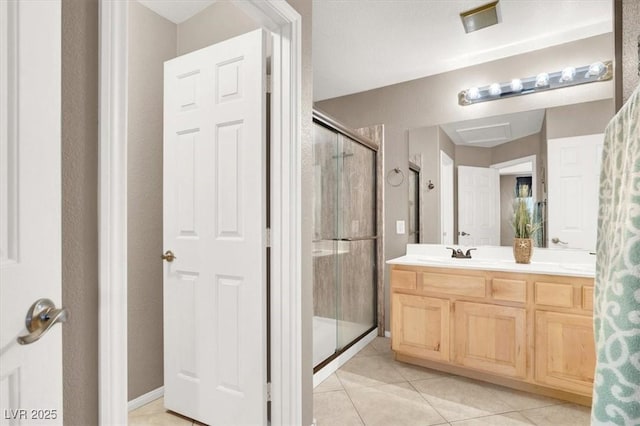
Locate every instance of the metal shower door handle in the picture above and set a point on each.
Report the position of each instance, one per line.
(41, 316)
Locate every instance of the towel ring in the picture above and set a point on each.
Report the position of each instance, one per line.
(396, 178)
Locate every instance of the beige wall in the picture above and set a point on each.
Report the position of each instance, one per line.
(80, 52)
(80, 210)
(578, 120)
(423, 143)
(220, 21)
(152, 40)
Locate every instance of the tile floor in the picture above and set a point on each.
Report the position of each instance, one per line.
(373, 389)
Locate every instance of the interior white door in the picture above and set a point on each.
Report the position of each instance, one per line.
(446, 198)
(478, 206)
(30, 211)
(574, 176)
(215, 321)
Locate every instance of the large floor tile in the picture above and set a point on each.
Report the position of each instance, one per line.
(334, 409)
(565, 415)
(519, 400)
(507, 419)
(331, 383)
(382, 345)
(369, 371)
(457, 398)
(164, 419)
(413, 372)
(155, 406)
(155, 414)
(367, 351)
(395, 404)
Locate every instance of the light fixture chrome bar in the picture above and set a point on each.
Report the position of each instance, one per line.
(598, 71)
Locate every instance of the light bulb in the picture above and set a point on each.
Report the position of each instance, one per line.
(473, 93)
(595, 69)
(495, 89)
(516, 85)
(542, 79)
(567, 74)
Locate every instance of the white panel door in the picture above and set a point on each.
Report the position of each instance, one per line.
(573, 180)
(30, 238)
(478, 206)
(215, 224)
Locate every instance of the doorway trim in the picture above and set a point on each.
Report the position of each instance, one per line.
(284, 23)
(519, 161)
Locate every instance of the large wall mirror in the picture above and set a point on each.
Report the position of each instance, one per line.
(484, 163)
(511, 142)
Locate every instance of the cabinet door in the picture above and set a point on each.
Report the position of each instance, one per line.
(491, 338)
(420, 326)
(565, 351)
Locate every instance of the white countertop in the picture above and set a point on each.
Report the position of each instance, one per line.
(575, 263)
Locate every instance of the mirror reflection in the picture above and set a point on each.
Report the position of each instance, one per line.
(483, 162)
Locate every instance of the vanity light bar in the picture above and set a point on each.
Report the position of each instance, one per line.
(570, 76)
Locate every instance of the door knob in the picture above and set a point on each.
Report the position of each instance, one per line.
(557, 240)
(40, 318)
(169, 256)
(464, 234)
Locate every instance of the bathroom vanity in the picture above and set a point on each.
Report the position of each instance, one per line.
(529, 327)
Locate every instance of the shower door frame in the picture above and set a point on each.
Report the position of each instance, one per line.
(377, 146)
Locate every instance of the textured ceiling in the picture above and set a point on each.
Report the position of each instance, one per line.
(360, 45)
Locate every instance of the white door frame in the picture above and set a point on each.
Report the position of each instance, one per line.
(286, 287)
(518, 161)
(446, 195)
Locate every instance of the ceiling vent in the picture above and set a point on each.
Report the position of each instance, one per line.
(493, 134)
(480, 17)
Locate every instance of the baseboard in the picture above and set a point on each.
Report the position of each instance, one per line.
(387, 333)
(330, 368)
(146, 398)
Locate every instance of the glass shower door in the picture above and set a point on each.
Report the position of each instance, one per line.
(356, 254)
(325, 243)
(344, 242)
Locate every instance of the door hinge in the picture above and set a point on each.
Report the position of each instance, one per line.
(268, 391)
(268, 83)
(267, 237)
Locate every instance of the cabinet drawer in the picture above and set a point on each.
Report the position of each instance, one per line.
(509, 290)
(460, 285)
(554, 294)
(403, 279)
(587, 298)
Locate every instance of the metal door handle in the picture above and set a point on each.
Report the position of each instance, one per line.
(464, 234)
(556, 240)
(40, 318)
(169, 256)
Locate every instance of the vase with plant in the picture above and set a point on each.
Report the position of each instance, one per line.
(523, 226)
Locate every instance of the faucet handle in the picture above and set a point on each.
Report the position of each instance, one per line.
(468, 253)
(453, 251)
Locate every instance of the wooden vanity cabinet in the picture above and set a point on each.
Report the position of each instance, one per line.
(528, 331)
(565, 351)
(422, 326)
(491, 338)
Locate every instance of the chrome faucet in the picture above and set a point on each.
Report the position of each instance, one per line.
(459, 254)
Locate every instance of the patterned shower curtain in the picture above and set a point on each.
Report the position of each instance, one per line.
(616, 392)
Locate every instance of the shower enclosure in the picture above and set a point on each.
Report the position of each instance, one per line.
(345, 245)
